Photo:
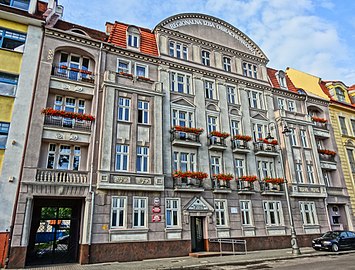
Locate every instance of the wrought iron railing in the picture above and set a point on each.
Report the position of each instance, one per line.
(187, 182)
(185, 136)
(218, 141)
(265, 147)
(321, 125)
(61, 176)
(60, 121)
(271, 187)
(328, 158)
(240, 144)
(73, 74)
(221, 184)
(245, 185)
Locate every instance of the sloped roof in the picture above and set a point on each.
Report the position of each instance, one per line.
(275, 82)
(118, 37)
(93, 33)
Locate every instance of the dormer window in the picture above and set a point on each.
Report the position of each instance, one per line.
(281, 77)
(340, 94)
(133, 37)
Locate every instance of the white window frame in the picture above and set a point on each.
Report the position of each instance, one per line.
(308, 213)
(293, 137)
(176, 112)
(126, 109)
(221, 211)
(170, 207)
(231, 93)
(135, 36)
(303, 136)
(340, 94)
(266, 168)
(235, 127)
(205, 57)
(176, 84)
(299, 172)
(240, 168)
(246, 212)
(143, 155)
(259, 131)
(118, 209)
(250, 70)
(216, 165)
(143, 109)
(146, 70)
(174, 51)
(210, 89)
(310, 173)
(128, 70)
(227, 63)
(256, 99)
(281, 103)
(190, 160)
(276, 209)
(140, 210)
(291, 107)
(212, 123)
(122, 154)
(73, 151)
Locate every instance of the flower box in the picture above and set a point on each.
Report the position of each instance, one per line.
(72, 115)
(75, 69)
(124, 74)
(224, 177)
(142, 78)
(273, 142)
(196, 131)
(63, 67)
(85, 72)
(319, 119)
(216, 133)
(274, 180)
(242, 137)
(188, 174)
(249, 178)
(327, 152)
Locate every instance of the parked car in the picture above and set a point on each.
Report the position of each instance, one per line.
(335, 240)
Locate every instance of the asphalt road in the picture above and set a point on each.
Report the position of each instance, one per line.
(339, 262)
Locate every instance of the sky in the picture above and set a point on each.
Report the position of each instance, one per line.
(314, 36)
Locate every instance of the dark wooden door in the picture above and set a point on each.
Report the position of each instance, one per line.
(197, 239)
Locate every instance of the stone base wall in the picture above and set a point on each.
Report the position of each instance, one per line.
(4, 240)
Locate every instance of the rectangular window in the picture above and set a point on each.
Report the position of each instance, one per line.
(184, 161)
(124, 106)
(340, 94)
(205, 56)
(221, 212)
(258, 131)
(308, 212)
(139, 212)
(291, 106)
(51, 156)
(343, 127)
(273, 213)
(255, 99)
(303, 135)
(8, 84)
(21, 4)
(141, 70)
(4, 133)
(310, 173)
(352, 121)
(123, 66)
(182, 118)
(212, 123)
(245, 212)
(178, 50)
(239, 167)
(64, 157)
(142, 159)
(118, 212)
(76, 158)
(227, 64)
(67, 158)
(122, 157)
(180, 83)
(172, 215)
(250, 70)
(265, 169)
(351, 159)
(235, 127)
(299, 173)
(12, 40)
(281, 103)
(210, 90)
(231, 95)
(293, 138)
(133, 40)
(143, 112)
(215, 165)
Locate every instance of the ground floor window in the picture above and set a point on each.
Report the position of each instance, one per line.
(308, 212)
(172, 213)
(273, 213)
(246, 213)
(221, 212)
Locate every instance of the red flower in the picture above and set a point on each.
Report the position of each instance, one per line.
(125, 74)
(327, 152)
(196, 131)
(242, 137)
(63, 67)
(72, 115)
(222, 176)
(273, 142)
(143, 78)
(274, 180)
(196, 175)
(219, 134)
(249, 178)
(319, 120)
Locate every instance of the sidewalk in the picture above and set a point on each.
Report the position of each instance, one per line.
(252, 257)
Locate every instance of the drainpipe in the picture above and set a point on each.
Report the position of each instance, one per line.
(14, 210)
(93, 151)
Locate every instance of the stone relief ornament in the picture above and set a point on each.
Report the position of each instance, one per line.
(121, 179)
(50, 55)
(60, 136)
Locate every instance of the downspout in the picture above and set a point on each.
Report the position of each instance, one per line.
(14, 210)
(93, 151)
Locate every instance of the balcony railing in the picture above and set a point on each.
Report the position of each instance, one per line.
(73, 74)
(217, 141)
(328, 158)
(60, 121)
(240, 145)
(320, 125)
(187, 183)
(267, 188)
(61, 176)
(185, 136)
(245, 186)
(265, 147)
(221, 184)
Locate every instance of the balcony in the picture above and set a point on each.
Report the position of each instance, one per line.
(188, 184)
(308, 190)
(217, 143)
(265, 149)
(67, 123)
(221, 186)
(73, 74)
(245, 187)
(271, 188)
(49, 176)
(327, 161)
(320, 128)
(240, 146)
(185, 138)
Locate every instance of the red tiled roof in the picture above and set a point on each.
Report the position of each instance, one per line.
(275, 82)
(351, 87)
(93, 33)
(148, 43)
(325, 89)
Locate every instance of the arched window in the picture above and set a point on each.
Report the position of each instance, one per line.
(281, 78)
(340, 94)
(133, 37)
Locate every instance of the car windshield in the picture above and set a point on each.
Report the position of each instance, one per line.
(331, 234)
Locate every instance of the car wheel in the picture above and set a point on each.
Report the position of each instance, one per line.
(335, 248)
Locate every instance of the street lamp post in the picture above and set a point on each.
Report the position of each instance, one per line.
(294, 245)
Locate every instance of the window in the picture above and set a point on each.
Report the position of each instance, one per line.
(69, 104)
(340, 94)
(351, 159)
(327, 178)
(281, 78)
(64, 157)
(231, 95)
(210, 90)
(235, 127)
(343, 127)
(172, 215)
(182, 118)
(133, 37)
(122, 157)
(273, 213)
(75, 63)
(124, 105)
(205, 55)
(177, 50)
(299, 173)
(239, 167)
(215, 165)
(21, 4)
(139, 212)
(259, 131)
(142, 159)
(281, 103)
(12, 40)
(352, 121)
(293, 138)
(310, 173)
(4, 132)
(245, 211)
(212, 123)
(255, 99)
(118, 212)
(8, 84)
(227, 64)
(180, 83)
(265, 169)
(308, 212)
(184, 161)
(250, 70)
(291, 106)
(123, 66)
(143, 112)
(221, 212)
(303, 135)
(141, 70)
